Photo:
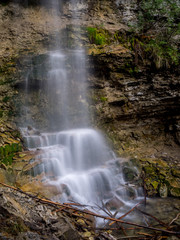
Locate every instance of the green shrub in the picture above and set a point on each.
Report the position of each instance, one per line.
(158, 22)
(104, 99)
(7, 152)
(162, 53)
(97, 36)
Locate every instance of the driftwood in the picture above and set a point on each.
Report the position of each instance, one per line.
(72, 209)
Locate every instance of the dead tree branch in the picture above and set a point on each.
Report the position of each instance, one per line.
(70, 209)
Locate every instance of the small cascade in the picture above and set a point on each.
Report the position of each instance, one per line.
(80, 165)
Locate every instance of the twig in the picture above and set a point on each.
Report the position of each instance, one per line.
(128, 237)
(75, 204)
(108, 212)
(108, 236)
(145, 234)
(127, 213)
(175, 219)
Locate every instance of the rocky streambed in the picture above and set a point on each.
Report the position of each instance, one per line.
(23, 216)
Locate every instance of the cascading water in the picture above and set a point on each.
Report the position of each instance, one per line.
(72, 157)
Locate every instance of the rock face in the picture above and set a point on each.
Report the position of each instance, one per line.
(139, 111)
(137, 108)
(23, 218)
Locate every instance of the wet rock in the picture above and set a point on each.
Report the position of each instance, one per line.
(174, 186)
(129, 171)
(32, 131)
(36, 186)
(81, 222)
(163, 191)
(175, 192)
(114, 204)
(86, 234)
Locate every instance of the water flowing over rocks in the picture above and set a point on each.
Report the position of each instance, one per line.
(138, 110)
(143, 108)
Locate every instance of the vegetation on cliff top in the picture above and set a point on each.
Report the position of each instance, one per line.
(154, 37)
(157, 32)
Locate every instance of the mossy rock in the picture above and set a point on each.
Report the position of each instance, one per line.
(95, 51)
(173, 182)
(130, 173)
(135, 162)
(175, 192)
(176, 173)
(151, 191)
(162, 163)
(155, 184)
(173, 185)
(150, 170)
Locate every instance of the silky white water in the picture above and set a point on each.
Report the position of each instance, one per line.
(79, 164)
(72, 156)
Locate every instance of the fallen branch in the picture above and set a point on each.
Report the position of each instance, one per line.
(129, 237)
(67, 207)
(145, 234)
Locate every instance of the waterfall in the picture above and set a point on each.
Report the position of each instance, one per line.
(72, 156)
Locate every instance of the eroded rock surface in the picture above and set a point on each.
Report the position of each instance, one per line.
(22, 217)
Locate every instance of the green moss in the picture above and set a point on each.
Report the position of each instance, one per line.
(7, 152)
(150, 170)
(155, 184)
(98, 36)
(104, 99)
(130, 68)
